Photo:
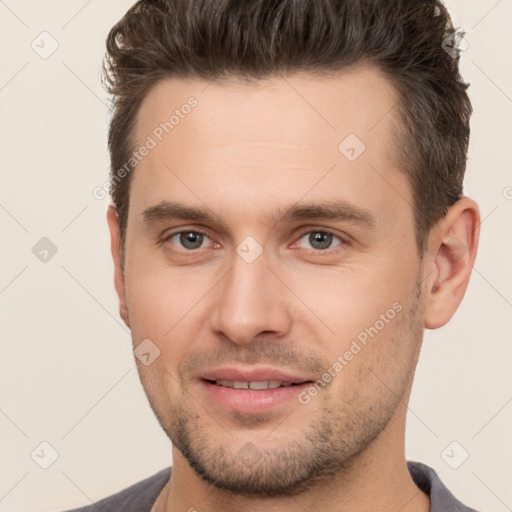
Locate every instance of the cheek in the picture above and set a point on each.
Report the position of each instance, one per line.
(362, 321)
(373, 366)
(167, 306)
(149, 307)
(152, 288)
(347, 300)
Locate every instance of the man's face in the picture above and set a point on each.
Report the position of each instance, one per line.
(262, 283)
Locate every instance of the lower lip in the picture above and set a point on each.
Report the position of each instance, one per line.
(252, 401)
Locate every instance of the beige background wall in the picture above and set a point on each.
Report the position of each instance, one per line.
(67, 375)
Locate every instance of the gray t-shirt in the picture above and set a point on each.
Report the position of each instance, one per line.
(141, 497)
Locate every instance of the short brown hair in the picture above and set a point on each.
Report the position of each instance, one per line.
(215, 39)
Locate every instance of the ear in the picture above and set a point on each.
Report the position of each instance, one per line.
(451, 255)
(115, 247)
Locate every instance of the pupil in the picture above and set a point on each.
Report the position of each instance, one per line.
(191, 240)
(320, 240)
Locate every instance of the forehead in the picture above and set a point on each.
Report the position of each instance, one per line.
(293, 109)
(270, 139)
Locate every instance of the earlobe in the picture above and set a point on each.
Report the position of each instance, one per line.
(115, 248)
(452, 249)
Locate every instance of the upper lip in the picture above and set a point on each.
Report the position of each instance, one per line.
(232, 373)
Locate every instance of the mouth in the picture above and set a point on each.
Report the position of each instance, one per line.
(254, 385)
(254, 391)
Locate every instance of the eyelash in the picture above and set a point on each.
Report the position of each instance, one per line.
(303, 232)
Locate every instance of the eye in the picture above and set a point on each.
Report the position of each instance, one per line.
(318, 240)
(189, 240)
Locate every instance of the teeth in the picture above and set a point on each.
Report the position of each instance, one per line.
(271, 384)
(258, 385)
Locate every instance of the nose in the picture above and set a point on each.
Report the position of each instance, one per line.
(251, 300)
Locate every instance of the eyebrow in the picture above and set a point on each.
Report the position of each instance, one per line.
(326, 210)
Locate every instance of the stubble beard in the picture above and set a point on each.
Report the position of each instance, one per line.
(331, 444)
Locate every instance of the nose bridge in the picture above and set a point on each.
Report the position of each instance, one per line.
(250, 300)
